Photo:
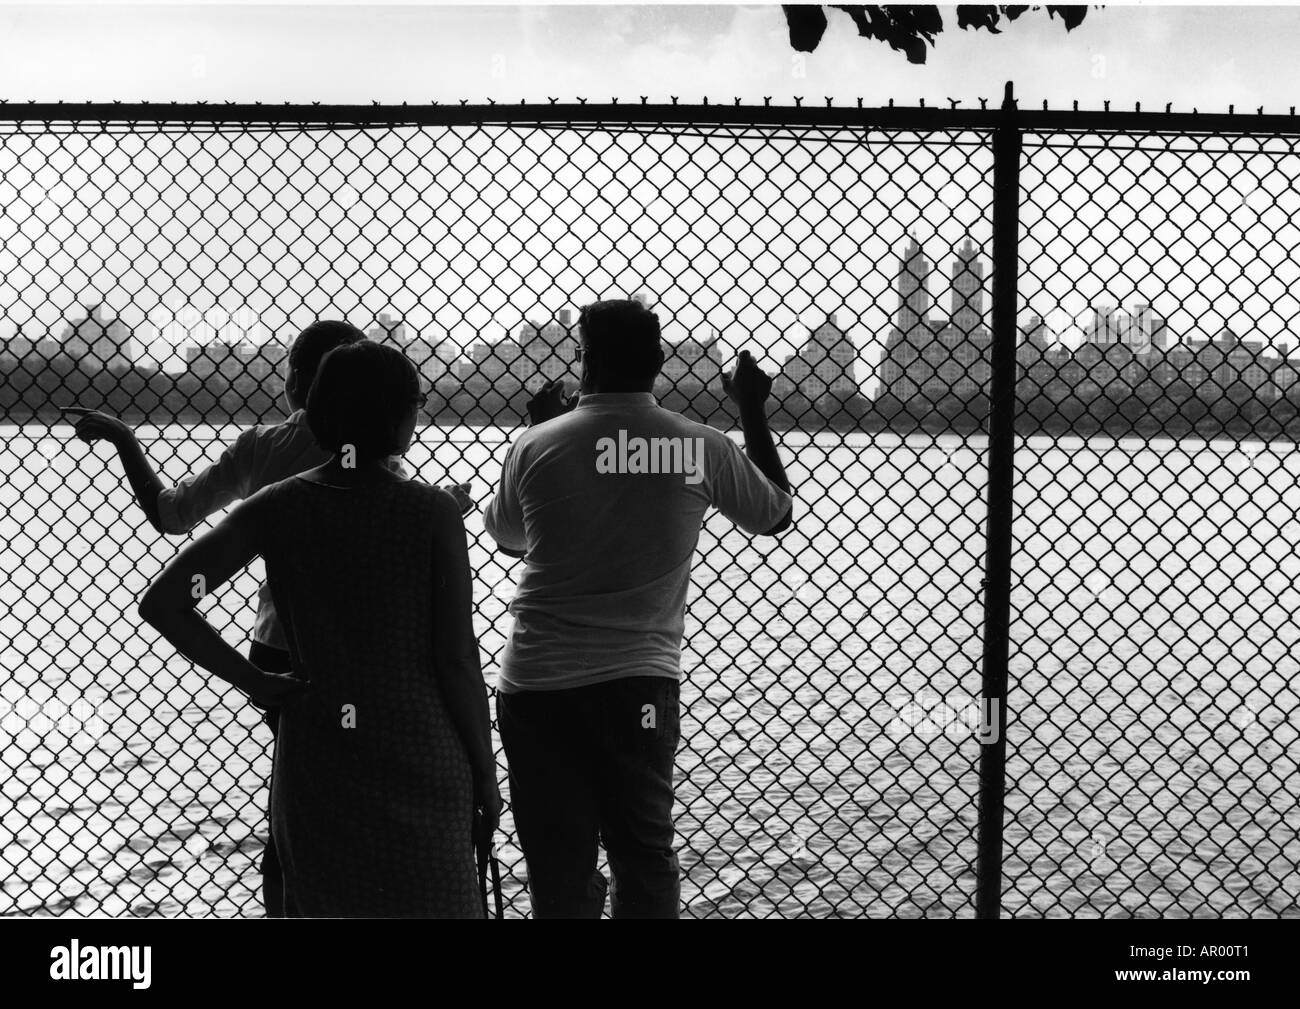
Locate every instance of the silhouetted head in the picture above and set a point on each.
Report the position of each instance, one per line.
(311, 345)
(621, 351)
(365, 395)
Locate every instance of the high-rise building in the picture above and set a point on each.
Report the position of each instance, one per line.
(1285, 373)
(446, 353)
(1036, 332)
(269, 360)
(432, 359)
(692, 361)
(913, 292)
(934, 357)
(1151, 328)
(548, 352)
(1104, 327)
(98, 341)
(1038, 356)
(967, 289)
(389, 330)
(35, 352)
(824, 363)
(232, 360)
(497, 363)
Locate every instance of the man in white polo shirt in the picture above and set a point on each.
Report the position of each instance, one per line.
(604, 501)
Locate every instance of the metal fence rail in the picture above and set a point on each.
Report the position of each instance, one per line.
(1033, 589)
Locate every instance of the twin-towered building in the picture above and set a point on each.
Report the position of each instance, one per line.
(928, 358)
(935, 357)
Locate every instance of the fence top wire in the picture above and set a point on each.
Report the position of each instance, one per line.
(245, 116)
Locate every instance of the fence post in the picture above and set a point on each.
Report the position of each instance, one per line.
(997, 565)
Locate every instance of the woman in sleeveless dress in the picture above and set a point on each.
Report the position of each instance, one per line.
(384, 753)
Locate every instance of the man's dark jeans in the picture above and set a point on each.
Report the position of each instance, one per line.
(271, 660)
(595, 764)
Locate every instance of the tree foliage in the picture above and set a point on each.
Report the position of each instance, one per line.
(910, 29)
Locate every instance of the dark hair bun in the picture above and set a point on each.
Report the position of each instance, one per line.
(363, 396)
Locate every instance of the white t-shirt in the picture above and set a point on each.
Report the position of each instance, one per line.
(607, 502)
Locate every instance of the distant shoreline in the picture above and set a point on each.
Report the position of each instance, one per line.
(1116, 426)
(159, 398)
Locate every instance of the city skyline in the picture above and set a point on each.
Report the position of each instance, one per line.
(924, 354)
(967, 288)
(461, 231)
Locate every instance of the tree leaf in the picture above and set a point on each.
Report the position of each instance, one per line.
(1072, 15)
(807, 24)
(909, 29)
(903, 28)
(926, 21)
(978, 16)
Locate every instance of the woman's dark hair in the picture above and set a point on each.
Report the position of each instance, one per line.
(312, 344)
(363, 396)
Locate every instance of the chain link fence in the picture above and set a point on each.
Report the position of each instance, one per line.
(836, 687)
(1154, 668)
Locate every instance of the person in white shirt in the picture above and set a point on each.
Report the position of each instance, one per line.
(603, 498)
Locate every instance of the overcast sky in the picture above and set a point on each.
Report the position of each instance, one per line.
(1203, 56)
